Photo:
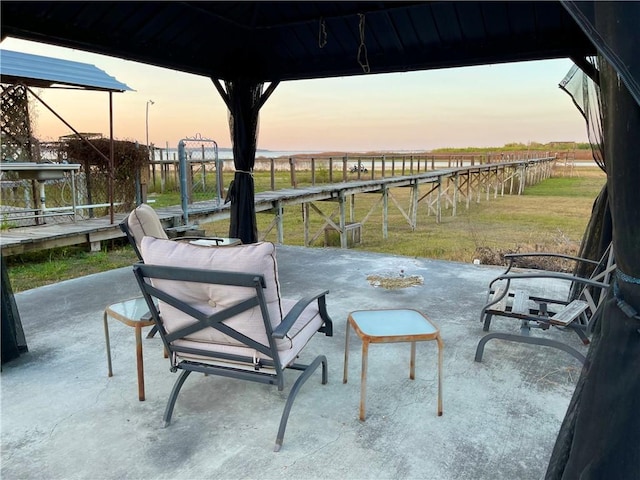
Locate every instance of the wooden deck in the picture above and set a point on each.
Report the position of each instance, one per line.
(448, 186)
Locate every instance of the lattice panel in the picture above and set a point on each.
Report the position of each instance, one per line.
(15, 124)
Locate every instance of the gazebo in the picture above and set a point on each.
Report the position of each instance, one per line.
(247, 48)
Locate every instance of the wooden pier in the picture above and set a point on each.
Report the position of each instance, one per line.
(448, 187)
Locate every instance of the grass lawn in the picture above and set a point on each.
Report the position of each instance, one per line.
(550, 216)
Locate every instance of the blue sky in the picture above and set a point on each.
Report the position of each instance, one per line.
(474, 106)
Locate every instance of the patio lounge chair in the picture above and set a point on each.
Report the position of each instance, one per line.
(510, 297)
(144, 221)
(222, 314)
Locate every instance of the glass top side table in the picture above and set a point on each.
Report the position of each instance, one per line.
(134, 313)
(391, 326)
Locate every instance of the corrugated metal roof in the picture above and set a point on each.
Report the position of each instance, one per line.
(40, 71)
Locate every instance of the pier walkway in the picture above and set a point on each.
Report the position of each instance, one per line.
(445, 188)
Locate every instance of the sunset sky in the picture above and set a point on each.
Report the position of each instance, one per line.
(474, 106)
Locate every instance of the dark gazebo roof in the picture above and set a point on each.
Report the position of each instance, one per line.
(270, 41)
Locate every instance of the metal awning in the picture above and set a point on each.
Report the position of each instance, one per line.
(46, 72)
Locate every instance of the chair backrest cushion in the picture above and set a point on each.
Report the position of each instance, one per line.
(257, 258)
(143, 221)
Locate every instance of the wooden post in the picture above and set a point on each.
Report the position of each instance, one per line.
(292, 169)
(352, 208)
(385, 211)
(488, 182)
(343, 223)
(272, 167)
(305, 219)
(330, 169)
(280, 224)
(468, 188)
(163, 172)
(455, 194)
(414, 205)
(313, 171)
(344, 168)
(438, 200)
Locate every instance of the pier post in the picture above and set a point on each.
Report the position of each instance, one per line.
(439, 201)
(455, 194)
(279, 221)
(343, 222)
(385, 211)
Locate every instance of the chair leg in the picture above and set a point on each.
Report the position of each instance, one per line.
(530, 340)
(320, 360)
(152, 332)
(487, 322)
(173, 397)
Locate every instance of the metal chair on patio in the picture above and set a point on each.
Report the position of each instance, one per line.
(144, 221)
(220, 313)
(541, 312)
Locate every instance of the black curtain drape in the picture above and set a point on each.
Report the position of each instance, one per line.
(600, 435)
(244, 99)
(584, 89)
(13, 340)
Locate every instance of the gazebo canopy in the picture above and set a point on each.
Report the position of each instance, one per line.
(245, 44)
(274, 41)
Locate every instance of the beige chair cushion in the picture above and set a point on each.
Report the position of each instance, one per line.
(256, 258)
(143, 221)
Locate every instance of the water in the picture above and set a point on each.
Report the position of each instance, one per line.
(227, 153)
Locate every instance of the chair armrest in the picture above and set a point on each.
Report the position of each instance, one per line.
(290, 319)
(512, 256)
(554, 275)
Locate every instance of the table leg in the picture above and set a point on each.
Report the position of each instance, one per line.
(363, 379)
(139, 362)
(346, 354)
(412, 362)
(440, 355)
(108, 345)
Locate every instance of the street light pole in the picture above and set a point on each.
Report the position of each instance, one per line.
(149, 102)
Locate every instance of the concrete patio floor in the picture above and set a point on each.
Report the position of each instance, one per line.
(62, 417)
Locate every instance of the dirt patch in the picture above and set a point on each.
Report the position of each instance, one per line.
(489, 256)
(395, 281)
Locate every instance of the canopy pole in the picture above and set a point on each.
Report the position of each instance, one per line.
(243, 98)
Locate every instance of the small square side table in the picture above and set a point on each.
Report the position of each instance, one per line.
(391, 326)
(134, 313)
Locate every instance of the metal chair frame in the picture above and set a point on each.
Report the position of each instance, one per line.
(570, 314)
(263, 371)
